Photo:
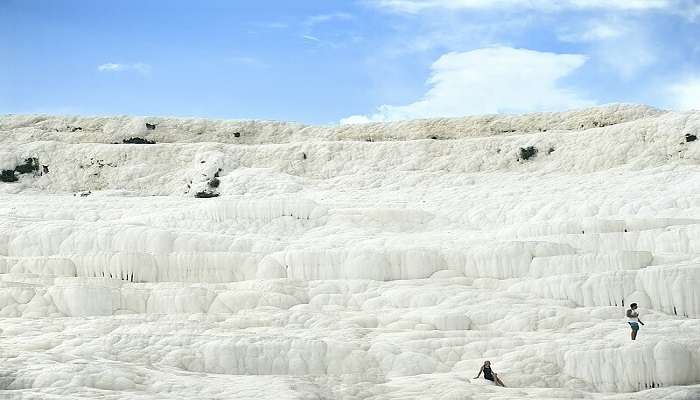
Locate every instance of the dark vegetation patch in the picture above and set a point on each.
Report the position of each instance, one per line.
(214, 183)
(236, 134)
(31, 165)
(8, 175)
(70, 128)
(98, 163)
(690, 138)
(527, 153)
(550, 150)
(138, 140)
(205, 194)
(151, 127)
(436, 137)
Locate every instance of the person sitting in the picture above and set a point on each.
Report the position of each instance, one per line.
(489, 374)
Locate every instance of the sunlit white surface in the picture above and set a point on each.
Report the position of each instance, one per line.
(379, 261)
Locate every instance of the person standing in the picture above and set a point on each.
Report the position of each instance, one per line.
(633, 319)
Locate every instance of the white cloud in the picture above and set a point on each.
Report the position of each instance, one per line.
(490, 80)
(620, 4)
(111, 67)
(139, 67)
(414, 6)
(595, 31)
(312, 21)
(273, 25)
(622, 44)
(311, 38)
(628, 59)
(321, 18)
(251, 62)
(686, 94)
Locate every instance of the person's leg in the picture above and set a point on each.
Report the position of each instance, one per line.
(497, 380)
(634, 334)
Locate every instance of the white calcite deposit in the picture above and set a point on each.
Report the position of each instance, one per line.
(269, 260)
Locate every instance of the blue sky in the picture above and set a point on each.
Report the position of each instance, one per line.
(325, 61)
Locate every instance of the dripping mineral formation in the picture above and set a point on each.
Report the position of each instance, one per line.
(189, 258)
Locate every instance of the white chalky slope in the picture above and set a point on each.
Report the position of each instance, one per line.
(269, 260)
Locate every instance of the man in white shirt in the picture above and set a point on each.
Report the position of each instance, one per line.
(633, 320)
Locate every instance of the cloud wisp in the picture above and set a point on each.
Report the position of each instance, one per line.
(139, 67)
(247, 61)
(416, 6)
(685, 95)
(595, 31)
(310, 24)
(310, 38)
(625, 46)
(490, 80)
(322, 18)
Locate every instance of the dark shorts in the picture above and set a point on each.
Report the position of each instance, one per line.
(634, 325)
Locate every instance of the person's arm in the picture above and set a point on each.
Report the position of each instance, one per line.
(640, 321)
(480, 371)
(629, 313)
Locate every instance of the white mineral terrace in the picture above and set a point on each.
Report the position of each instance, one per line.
(269, 260)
